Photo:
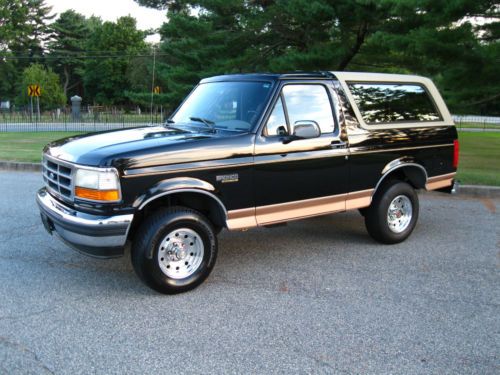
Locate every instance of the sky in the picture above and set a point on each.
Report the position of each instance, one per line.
(110, 10)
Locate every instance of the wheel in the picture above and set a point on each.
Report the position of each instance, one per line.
(393, 214)
(174, 250)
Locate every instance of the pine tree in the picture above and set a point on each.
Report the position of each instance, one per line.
(69, 35)
(437, 38)
(36, 31)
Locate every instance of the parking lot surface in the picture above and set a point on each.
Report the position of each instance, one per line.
(317, 296)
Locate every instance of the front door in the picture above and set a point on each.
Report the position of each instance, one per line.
(305, 177)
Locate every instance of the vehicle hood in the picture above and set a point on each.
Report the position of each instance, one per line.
(106, 148)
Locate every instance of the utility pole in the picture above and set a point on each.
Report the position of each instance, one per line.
(153, 83)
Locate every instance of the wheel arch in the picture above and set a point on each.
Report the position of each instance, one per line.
(188, 192)
(410, 171)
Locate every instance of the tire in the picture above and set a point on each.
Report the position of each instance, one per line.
(174, 250)
(393, 214)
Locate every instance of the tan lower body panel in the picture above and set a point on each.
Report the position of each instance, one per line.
(359, 199)
(241, 219)
(278, 213)
(438, 182)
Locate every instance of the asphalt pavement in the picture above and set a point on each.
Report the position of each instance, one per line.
(317, 296)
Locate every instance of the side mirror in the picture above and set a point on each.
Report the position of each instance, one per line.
(305, 129)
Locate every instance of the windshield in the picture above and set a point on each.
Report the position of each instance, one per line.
(233, 106)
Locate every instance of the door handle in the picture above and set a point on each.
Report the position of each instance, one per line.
(338, 144)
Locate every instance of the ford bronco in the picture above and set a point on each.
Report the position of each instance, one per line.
(245, 151)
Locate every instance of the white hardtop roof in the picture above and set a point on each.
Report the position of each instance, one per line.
(346, 77)
(384, 77)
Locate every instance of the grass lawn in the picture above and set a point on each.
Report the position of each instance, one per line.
(479, 162)
(27, 146)
(479, 153)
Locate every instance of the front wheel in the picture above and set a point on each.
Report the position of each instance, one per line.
(174, 250)
(393, 213)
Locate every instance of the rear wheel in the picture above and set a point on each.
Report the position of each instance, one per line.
(393, 213)
(174, 250)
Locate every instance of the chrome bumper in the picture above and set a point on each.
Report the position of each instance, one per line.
(98, 236)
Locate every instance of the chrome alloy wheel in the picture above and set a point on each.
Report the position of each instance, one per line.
(399, 213)
(180, 253)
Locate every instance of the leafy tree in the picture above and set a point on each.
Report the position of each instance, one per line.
(105, 75)
(13, 22)
(66, 48)
(23, 30)
(8, 74)
(52, 95)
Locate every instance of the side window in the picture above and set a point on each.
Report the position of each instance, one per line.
(381, 103)
(309, 103)
(276, 125)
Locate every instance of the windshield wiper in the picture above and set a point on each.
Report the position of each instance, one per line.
(168, 124)
(208, 123)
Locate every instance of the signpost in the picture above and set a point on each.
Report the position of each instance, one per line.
(157, 90)
(35, 91)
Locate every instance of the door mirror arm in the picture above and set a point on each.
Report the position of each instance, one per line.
(290, 138)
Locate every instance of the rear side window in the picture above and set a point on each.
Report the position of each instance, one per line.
(381, 103)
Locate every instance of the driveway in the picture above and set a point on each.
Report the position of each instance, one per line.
(317, 296)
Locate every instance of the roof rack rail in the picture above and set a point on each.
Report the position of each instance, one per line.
(299, 74)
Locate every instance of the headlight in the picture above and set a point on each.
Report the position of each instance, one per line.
(97, 185)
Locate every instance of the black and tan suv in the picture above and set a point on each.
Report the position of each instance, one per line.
(250, 150)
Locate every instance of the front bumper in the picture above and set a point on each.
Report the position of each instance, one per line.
(97, 236)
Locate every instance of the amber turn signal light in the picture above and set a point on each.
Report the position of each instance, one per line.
(97, 195)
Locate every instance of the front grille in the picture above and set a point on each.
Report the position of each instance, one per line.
(58, 177)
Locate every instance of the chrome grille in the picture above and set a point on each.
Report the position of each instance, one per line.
(58, 177)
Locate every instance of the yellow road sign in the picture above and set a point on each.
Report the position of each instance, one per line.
(34, 90)
(157, 89)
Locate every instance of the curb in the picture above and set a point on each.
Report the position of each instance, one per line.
(479, 191)
(19, 166)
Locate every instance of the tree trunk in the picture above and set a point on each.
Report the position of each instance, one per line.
(360, 39)
(66, 80)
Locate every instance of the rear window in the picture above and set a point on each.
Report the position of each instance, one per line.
(381, 103)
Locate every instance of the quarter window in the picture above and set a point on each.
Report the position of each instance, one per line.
(381, 103)
(276, 125)
(309, 103)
